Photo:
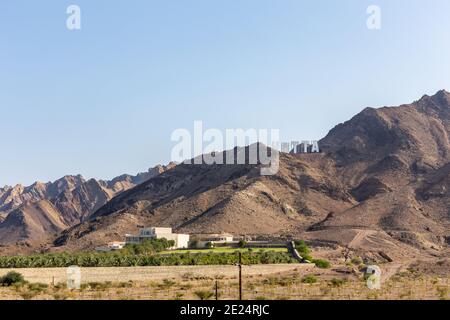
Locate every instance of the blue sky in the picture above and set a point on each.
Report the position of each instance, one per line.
(104, 100)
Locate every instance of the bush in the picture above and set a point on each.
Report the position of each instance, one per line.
(100, 285)
(166, 284)
(209, 245)
(11, 278)
(302, 247)
(204, 295)
(193, 244)
(37, 287)
(320, 263)
(28, 295)
(128, 284)
(309, 279)
(335, 282)
(356, 261)
(242, 243)
(149, 246)
(60, 286)
(303, 250)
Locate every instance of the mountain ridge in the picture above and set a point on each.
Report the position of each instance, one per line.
(381, 183)
(71, 198)
(366, 190)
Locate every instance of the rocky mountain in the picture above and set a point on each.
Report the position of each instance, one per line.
(65, 202)
(395, 162)
(38, 221)
(380, 184)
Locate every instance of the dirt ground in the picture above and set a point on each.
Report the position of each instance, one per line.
(142, 274)
(417, 280)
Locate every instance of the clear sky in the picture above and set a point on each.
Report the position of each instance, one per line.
(104, 100)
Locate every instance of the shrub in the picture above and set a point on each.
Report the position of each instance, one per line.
(242, 243)
(166, 284)
(335, 282)
(179, 296)
(204, 295)
(100, 285)
(322, 264)
(37, 287)
(278, 281)
(60, 296)
(309, 279)
(128, 284)
(356, 261)
(11, 278)
(302, 248)
(84, 286)
(60, 285)
(193, 244)
(28, 295)
(209, 245)
(442, 292)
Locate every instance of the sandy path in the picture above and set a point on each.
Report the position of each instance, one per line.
(359, 238)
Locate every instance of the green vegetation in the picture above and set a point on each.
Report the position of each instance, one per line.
(209, 245)
(335, 282)
(204, 295)
(357, 261)
(37, 287)
(152, 253)
(321, 263)
(127, 259)
(442, 292)
(225, 250)
(148, 247)
(12, 278)
(101, 286)
(279, 281)
(242, 243)
(166, 284)
(309, 279)
(303, 249)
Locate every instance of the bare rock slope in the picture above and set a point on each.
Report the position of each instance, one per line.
(35, 213)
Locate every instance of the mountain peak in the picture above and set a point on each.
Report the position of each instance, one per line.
(438, 95)
(443, 92)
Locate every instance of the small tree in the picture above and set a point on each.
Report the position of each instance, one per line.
(242, 243)
(171, 243)
(193, 244)
(209, 245)
(322, 264)
(204, 295)
(11, 278)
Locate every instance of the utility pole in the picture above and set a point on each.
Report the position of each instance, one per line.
(240, 275)
(217, 290)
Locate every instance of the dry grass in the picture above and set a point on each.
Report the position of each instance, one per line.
(259, 284)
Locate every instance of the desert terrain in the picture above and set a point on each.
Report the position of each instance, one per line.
(419, 280)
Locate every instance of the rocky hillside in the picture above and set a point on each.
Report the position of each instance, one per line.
(65, 202)
(38, 221)
(381, 184)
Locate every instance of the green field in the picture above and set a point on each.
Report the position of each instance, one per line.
(224, 250)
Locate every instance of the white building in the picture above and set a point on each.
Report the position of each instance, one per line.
(181, 240)
(214, 239)
(114, 245)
